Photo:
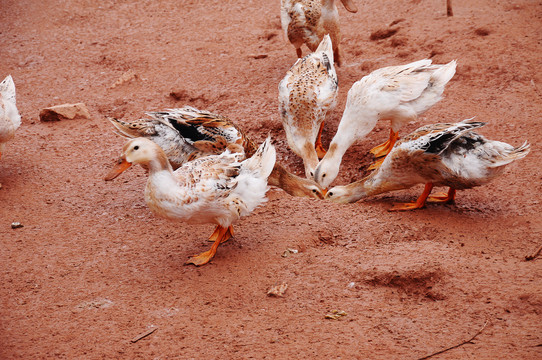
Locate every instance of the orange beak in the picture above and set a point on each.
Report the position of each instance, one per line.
(122, 165)
(324, 192)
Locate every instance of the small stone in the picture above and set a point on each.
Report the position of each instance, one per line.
(16, 225)
(277, 290)
(125, 78)
(258, 56)
(65, 111)
(336, 314)
(288, 252)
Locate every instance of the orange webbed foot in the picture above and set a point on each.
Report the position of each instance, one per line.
(385, 148)
(447, 198)
(419, 204)
(407, 206)
(375, 165)
(202, 258)
(220, 235)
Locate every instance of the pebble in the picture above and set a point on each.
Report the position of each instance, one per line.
(16, 225)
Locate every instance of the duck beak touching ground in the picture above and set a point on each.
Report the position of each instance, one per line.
(122, 165)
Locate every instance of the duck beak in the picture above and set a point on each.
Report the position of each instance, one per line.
(122, 165)
(324, 192)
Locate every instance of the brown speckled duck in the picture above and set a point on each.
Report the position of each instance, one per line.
(450, 155)
(306, 94)
(307, 21)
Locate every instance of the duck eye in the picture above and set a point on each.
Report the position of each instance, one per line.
(330, 193)
(314, 191)
(324, 175)
(136, 147)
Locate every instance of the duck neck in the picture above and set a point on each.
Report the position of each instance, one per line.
(285, 180)
(328, 4)
(159, 163)
(368, 186)
(354, 124)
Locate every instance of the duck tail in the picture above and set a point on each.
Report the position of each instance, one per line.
(512, 155)
(7, 89)
(326, 47)
(263, 159)
(125, 129)
(443, 74)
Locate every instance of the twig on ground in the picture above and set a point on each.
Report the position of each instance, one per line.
(458, 345)
(143, 334)
(535, 254)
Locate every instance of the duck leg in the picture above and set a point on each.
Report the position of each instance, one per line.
(443, 198)
(216, 234)
(420, 203)
(376, 164)
(206, 256)
(320, 151)
(385, 148)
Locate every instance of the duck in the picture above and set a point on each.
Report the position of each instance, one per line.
(188, 133)
(10, 119)
(216, 189)
(443, 154)
(306, 94)
(397, 93)
(307, 21)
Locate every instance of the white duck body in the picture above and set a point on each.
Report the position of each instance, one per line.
(213, 189)
(398, 93)
(10, 119)
(308, 21)
(306, 94)
(441, 155)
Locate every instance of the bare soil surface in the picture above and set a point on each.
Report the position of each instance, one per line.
(92, 268)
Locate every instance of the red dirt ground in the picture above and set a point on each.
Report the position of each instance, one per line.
(92, 267)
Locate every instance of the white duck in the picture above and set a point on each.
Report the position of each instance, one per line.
(10, 120)
(213, 189)
(398, 93)
(437, 155)
(307, 21)
(307, 92)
